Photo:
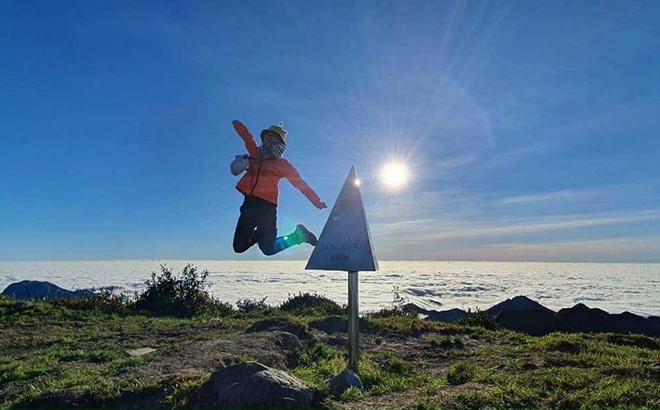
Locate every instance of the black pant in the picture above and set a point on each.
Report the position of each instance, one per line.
(258, 224)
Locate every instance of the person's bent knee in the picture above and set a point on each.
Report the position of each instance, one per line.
(267, 249)
(240, 248)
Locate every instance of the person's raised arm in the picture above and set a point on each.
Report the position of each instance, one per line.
(294, 178)
(247, 138)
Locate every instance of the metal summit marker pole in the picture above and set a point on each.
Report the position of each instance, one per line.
(345, 245)
(353, 321)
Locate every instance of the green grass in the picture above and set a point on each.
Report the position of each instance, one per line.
(446, 342)
(50, 349)
(558, 370)
(379, 374)
(318, 364)
(386, 374)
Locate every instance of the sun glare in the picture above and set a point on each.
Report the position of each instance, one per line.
(394, 175)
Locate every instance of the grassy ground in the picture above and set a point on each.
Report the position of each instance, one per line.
(54, 356)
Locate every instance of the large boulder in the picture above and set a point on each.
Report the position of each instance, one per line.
(32, 289)
(535, 322)
(253, 385)
(516, 303)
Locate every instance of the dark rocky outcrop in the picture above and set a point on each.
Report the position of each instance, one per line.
(592, 320)
(536, 322)
(331, 324)
(526, 315)
(32, 289)
(627, 322)
(447, 316)
(283, 325)
(516, 303)
(253, 385)
(586, 319)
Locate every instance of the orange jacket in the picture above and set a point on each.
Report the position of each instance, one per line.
(272, 170)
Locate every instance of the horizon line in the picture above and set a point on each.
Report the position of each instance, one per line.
(304, 260)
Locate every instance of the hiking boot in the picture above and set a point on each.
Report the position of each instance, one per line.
(306, 235)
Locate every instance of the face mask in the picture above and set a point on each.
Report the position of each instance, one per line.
(271, 150)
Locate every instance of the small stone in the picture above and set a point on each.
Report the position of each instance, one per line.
(141, 351)
(343, 381)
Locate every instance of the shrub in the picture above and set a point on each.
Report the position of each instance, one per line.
(395, 311)
(307, 304)
(479, 318)
(253, 306)
(220, 308)
(182, 295)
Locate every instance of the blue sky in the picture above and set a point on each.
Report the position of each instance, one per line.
(530, 127)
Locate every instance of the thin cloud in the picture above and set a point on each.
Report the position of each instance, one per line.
(433, 230)
(566, 195)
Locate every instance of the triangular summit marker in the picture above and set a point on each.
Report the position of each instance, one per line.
(345, 242)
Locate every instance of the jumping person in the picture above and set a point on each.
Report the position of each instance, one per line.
(258, 220)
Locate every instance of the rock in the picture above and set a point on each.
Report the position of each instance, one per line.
(31, 289)
(627, 322)
(288, 341)
(331, 324)
(585, 319)
(253, 385)
(283, 325)
(535, 322)
(343, 381)
(516, 303)
(654, 323)
(447, 316)
(140, 351)
(292, 344)
(411, 307)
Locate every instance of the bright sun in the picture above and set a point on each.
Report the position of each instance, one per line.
(394, 175)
